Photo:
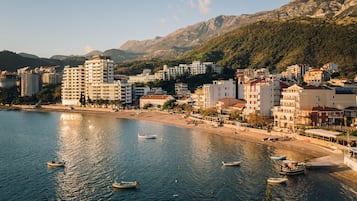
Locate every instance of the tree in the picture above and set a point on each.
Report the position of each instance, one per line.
(169, 105)
(236, 115)
(212, 112)
(8, 95)
(256, 119)
(147, 105)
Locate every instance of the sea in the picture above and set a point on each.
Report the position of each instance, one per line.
(180, 164)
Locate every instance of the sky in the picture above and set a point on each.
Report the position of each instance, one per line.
(76, 27)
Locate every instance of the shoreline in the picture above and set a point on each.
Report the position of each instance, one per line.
(313, 149)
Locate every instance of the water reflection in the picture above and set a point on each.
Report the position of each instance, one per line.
(86, 148)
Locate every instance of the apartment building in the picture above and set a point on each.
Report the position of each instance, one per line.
(94, 81)
(219, 89)
(99, 70)
(296, 99)
(261, 95)
(295, 72)
(7, 80)
(316, 77)
(51, 78)
(197, 99)
(30, 84)
(73, 85)
(118, 90)
(181, 90)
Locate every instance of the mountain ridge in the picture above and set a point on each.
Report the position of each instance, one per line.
(190, 37)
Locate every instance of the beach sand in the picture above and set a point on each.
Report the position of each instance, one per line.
(314, 149)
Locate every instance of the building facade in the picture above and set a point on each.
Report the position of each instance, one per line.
(30, 84)
(73, 85)
(219, 89)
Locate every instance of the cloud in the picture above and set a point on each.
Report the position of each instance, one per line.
(88, 49)
(202, 5)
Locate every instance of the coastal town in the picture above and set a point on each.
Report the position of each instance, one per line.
(301, 101)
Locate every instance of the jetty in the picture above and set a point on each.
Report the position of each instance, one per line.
(334, 160)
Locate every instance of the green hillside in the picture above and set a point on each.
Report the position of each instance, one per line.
(278, 44)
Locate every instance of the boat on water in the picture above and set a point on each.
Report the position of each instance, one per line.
(56, 163)
(290, 167)
(282, 157)
(233, 163)
(126, 184)
(277, 180)
(141, 136)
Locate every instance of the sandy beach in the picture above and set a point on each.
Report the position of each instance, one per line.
(313, 148)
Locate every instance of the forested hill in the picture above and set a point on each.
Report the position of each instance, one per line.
(11, 61)
(278, 44)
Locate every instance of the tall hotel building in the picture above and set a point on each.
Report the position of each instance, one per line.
(73, 85)
(30, 84)
(94, 81)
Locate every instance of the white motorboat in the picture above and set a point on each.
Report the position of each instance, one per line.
(282, 157)
(277, 180)
(141, 136)
(125, 184)
(233, 163)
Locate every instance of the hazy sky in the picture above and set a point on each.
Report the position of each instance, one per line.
(75, 27)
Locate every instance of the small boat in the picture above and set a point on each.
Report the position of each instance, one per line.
(141, 136)
(290, 168)
(283, 157)
(56, 163)
(126, 184)
(277, 180)
(233, 163)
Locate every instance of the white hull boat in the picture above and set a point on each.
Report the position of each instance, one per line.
(283, 157)
(234, 163)
(126, 184)
(277, 180)
(140, 136)
(56, 163)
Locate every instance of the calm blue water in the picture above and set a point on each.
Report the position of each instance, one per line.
(182, 164)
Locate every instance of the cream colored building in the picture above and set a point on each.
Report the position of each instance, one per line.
(197, 99)
(315, 77)
(261, 95)
(219, 89)
(99, 70)
(118, 90)
(296, 98)
(73, 85)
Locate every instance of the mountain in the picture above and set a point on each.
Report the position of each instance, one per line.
(188, 38)
(277, 44)
(11, 61)
(26, 55)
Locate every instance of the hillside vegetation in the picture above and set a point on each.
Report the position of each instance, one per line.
(278, 44)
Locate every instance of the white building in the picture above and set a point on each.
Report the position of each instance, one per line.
(144, 77)
(295, 72)
(181, 90)
(51, 78)
(118, 90)
(297, 98)
(219, 89)
(73, 85)
(94, 81)
(261, 95)
(30, 84)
